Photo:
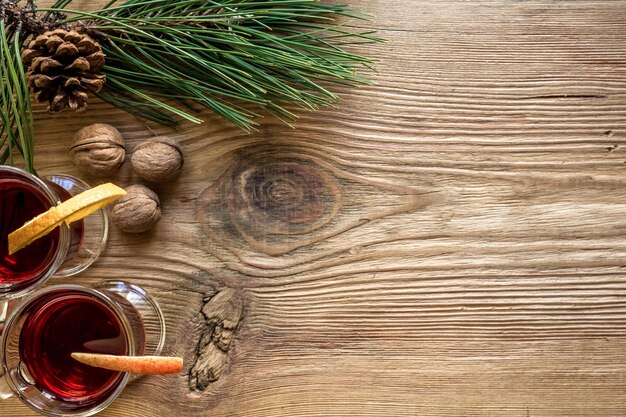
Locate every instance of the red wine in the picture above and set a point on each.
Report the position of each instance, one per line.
(63, 322)
(20, 201)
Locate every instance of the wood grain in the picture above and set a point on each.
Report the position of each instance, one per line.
(446, 242)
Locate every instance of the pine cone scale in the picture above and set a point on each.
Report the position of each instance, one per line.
(49, 64)
(57, 32)
(62, 67)
(53, 42)
(36, 63)
(59, 102)
(94, 85)
(39, 41)
(73, 37)
(43, 81)
(96, 61)
(66, 49)
(81, 96)
(72, 82)
(29, 54)
(87, 46)
(80, 64)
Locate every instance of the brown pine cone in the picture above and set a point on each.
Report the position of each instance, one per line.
(62, 67)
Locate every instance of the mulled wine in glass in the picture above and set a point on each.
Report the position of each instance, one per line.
(65, 251)
(113, 317)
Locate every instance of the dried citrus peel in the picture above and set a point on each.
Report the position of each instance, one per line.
(144, 365)
(77, 207)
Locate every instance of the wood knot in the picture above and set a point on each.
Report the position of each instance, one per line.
(276, 208)
(289, 197)
(271, 202)
(222, 313)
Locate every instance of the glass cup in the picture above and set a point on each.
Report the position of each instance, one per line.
(64, 252)
(113, 317)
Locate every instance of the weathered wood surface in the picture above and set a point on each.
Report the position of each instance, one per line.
(447, 242)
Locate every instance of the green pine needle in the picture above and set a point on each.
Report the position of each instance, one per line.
(229, 56)
(167, 58)
(17, 131)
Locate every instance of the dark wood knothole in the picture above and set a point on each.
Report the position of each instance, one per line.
(222, 313)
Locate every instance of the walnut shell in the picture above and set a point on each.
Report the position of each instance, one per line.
(98, 149)
(137, 211)
(158, 159)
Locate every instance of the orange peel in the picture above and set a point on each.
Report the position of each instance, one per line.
(71, 210)
(144, 365)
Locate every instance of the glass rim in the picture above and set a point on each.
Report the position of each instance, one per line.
(110, 303)
(64, 237)
(155, 307)
(66, 272)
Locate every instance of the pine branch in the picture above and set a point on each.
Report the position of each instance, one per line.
(17, 131)
(225, 55)
(167, 59)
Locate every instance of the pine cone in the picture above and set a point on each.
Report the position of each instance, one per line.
(62, 66)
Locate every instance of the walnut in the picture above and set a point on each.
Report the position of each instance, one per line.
(137, 211)
(158, 159)
(98, 149)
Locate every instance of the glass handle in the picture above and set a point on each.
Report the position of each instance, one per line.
(5, 389)
(6, 306)
(4, 313)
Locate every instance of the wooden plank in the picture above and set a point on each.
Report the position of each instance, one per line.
(448, 241)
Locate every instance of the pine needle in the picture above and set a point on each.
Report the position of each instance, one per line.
(226, 55)
(17, 132)
(165, 59)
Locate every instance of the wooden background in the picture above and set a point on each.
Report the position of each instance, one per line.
(447, 242)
